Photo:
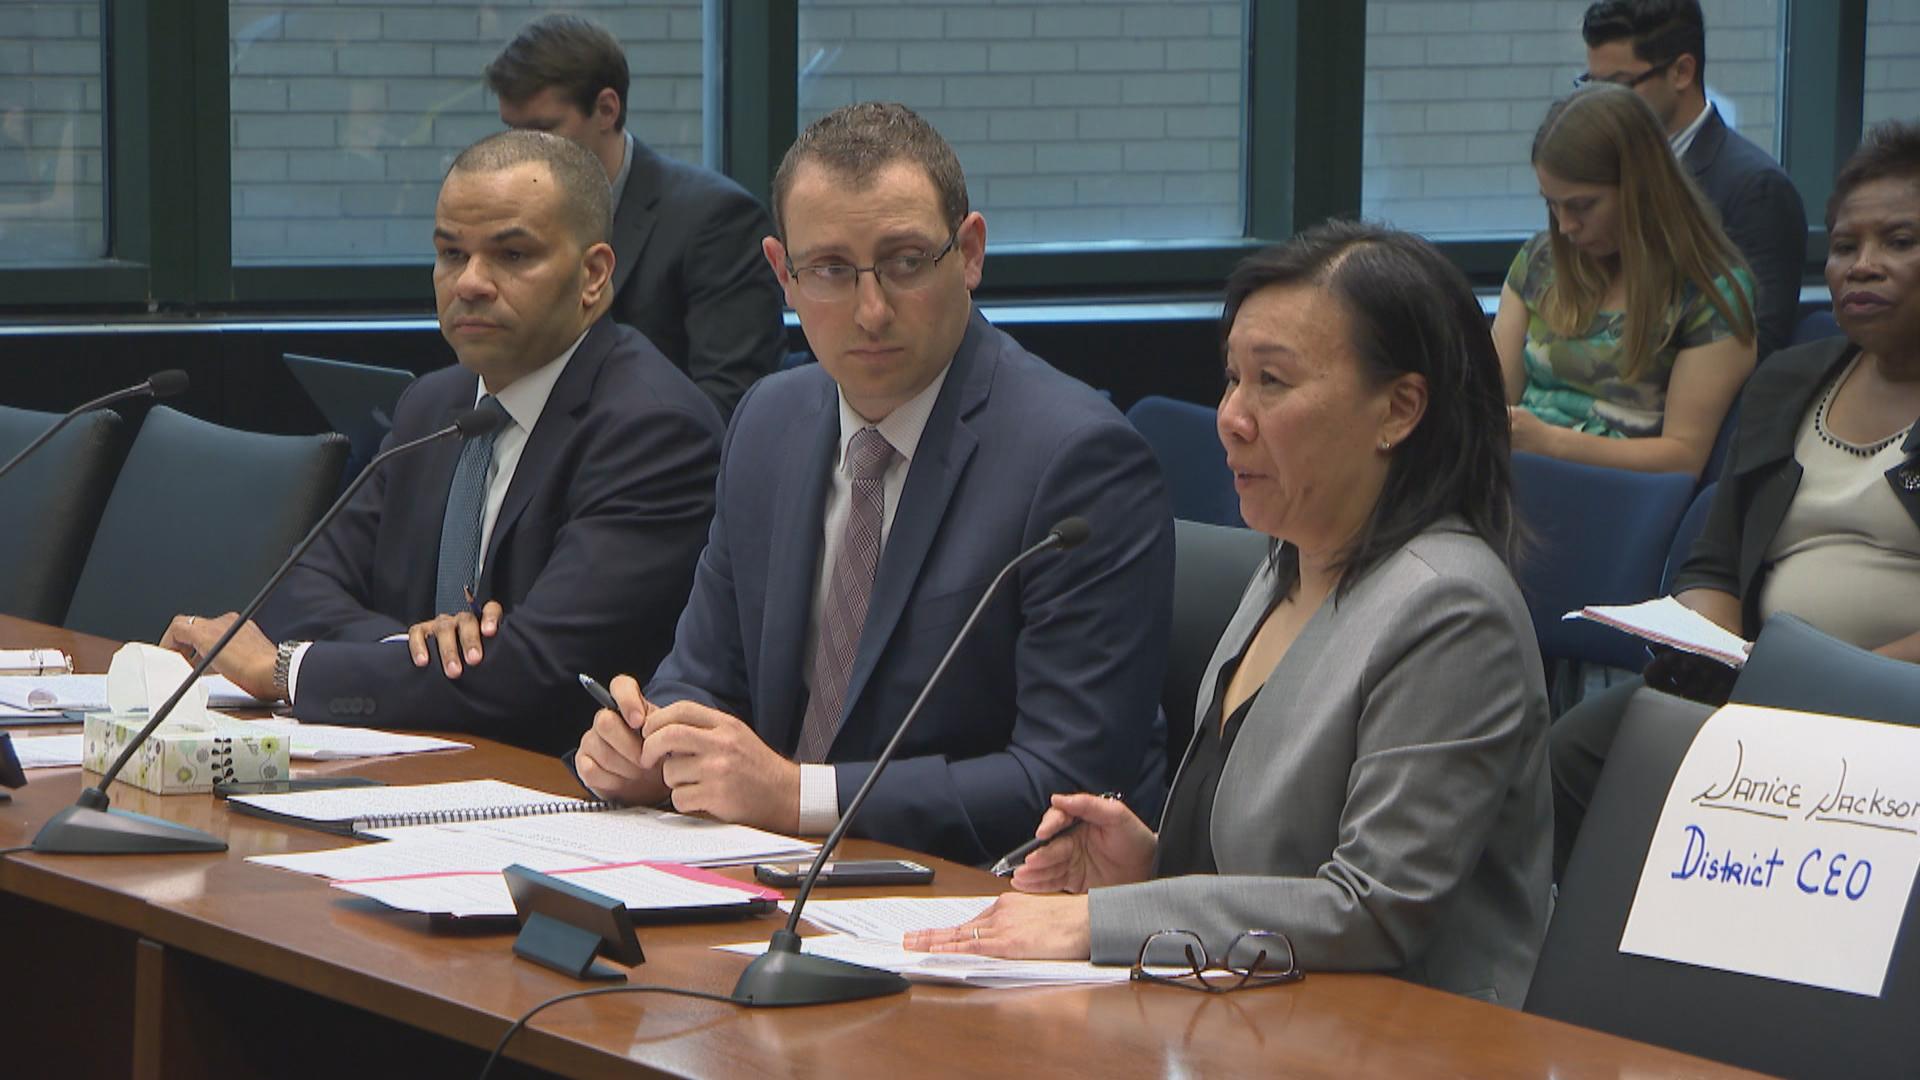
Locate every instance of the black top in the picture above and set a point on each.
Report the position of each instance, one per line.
(1186, 845)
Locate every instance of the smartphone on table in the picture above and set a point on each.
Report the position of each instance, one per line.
(846, 872)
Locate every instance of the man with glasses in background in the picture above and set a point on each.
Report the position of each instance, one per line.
(1658, 49)
(687, 270)
(865, 502)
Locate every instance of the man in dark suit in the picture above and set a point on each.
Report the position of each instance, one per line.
(687, 270)
(563, 543)
(818, 612)
(1658, 48)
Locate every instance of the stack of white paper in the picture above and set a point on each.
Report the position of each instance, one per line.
(545, 843)
(1669, 622)
(621, 836)
(962, 968)
(642, 887)
(327, 742)
(888, 919)
(88, 693)
(35, 662)
(48, 751)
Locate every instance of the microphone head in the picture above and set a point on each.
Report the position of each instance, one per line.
(164, 384)
(476, 422)
(1071, 532)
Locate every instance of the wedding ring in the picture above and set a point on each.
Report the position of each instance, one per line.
(976, 933)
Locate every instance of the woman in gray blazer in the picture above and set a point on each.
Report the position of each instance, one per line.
(1368, 771)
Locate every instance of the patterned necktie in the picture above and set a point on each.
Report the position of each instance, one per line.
(466, 509)
(849, 587)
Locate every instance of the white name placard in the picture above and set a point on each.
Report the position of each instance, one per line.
(1786, 849)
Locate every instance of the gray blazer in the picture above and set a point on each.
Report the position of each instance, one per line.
(1386, 803)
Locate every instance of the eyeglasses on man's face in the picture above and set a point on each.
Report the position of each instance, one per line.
(829, 282)
(1622, 78)
(1179, 958)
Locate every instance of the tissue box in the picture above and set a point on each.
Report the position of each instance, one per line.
(179, 761)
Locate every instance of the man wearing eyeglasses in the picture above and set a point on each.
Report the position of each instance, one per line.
(1658, 49)
(864, 505)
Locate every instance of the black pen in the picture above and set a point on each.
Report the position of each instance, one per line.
(599, 693)
(473, 604)
(1004, 868)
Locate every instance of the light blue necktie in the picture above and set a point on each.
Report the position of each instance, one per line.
(466, 508)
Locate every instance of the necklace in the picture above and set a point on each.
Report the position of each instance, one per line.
(1820, 427)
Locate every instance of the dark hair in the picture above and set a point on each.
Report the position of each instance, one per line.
(855, 142)
(1660, 30)
(1410, 310)
(578, 57)
(585, 199)
(1890, 151)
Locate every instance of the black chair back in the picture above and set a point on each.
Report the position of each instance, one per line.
(1775, 1027)
(53, 502)
(200, 516)
(1211, 567)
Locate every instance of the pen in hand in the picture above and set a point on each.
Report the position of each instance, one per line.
(599, 693)
(1012, 859)
(473, 602)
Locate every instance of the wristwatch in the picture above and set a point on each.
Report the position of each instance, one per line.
(282, 665)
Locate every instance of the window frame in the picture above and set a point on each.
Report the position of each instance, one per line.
(167, 86)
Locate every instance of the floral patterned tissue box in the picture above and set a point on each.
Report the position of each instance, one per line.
(179, 761)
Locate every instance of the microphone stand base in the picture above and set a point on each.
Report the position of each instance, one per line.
(783, 976)
(78, 830)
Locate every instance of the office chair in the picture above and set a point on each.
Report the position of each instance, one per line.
(1600, 536)
(1816, 325)
(1183, 437)
(1211, 567)
(53, 502)
(1779, 1028)
(198, 519)
(1685, 534)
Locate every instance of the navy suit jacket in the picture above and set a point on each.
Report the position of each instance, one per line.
(1056, 689)
(591, 555)
(1763, 216)
(688, 273)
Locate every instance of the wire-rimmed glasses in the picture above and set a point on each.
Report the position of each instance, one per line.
(832, 282)
(1254, 959)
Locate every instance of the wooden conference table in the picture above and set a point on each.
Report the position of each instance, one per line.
(204, 965)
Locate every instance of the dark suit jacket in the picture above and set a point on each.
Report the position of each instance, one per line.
(591, 555)
(688, 273)
(1763, 216)
(1761, 475)
(1056, 689)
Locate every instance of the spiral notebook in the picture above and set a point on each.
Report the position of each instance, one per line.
(357, 811)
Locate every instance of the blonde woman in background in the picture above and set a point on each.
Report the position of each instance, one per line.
(1626, 328)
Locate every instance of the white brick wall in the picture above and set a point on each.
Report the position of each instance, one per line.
(1075, 120)
(1893, 61)
(52, 198)
(346, 113)
(1455, 89)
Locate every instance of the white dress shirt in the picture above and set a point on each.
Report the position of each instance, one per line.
(902, 428)
(1682, 141)
(523, 399)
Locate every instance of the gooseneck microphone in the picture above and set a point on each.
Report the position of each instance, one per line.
(163, 384)
(89, 826)
(784, 975)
